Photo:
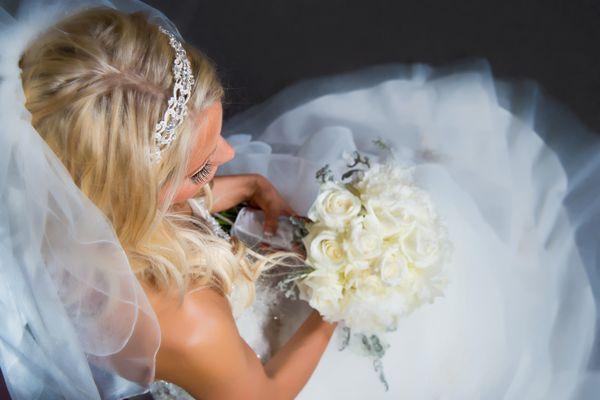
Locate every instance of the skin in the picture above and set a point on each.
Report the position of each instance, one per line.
(228, 190)
(201, 349)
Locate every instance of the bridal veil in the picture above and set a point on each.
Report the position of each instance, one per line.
(75, 321)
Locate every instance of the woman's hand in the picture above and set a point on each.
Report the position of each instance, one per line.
(266, 197)
(231, 190)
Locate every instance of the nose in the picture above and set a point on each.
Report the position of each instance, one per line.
(227, 152)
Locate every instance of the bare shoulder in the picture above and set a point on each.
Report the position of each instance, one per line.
(203, 316)
(201, 348)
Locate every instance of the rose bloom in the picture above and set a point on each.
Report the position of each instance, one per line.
(421, 246)
(322, 289)
(392, 266)
(361, 244)
(385, 180)
(323, 247)
(334, 206)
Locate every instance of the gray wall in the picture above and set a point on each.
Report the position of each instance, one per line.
(262, 45)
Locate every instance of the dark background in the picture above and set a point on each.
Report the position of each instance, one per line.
(260, 46)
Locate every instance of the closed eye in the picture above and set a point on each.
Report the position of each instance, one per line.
(200, 176)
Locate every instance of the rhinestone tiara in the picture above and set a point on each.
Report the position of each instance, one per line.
(165, 131)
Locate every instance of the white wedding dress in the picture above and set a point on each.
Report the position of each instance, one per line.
(517, 179)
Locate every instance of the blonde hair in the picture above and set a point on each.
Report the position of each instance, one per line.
(96, 84)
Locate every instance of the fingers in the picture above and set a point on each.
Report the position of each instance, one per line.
(272, 219)
(271, 223)
(289, 211)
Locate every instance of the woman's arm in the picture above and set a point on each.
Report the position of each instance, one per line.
(230, 190)
(295, 362)
(202, 351)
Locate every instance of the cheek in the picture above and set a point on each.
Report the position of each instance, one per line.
(186, 191)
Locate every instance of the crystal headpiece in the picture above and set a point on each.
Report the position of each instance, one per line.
(176, 110)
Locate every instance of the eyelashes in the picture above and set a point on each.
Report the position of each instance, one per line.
(202, 174)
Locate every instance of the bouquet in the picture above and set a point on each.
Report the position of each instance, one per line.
(376, 250)
(376, 247)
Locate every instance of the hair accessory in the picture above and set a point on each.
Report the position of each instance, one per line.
(165, 131)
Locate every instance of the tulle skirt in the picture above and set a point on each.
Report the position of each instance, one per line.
(515, 176)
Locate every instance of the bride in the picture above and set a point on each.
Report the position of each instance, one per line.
(96, 84)
(115, 275)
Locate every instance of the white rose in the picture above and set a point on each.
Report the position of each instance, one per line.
(361, 243)
(370, 288)
(421, 246)
(384, 179)
(366, 315)
(353, 275)
(379, 217)
(392, 266)
(424, 287)
(366, 307)
(323, 247)
(394, 215)
(323, 290)
(334, 206)
(415, 208)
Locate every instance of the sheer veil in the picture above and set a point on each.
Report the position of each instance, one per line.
(75, 321)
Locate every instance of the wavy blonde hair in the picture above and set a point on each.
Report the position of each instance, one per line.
(96, 83)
